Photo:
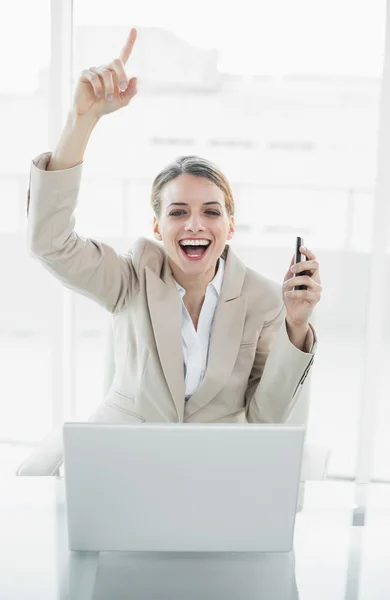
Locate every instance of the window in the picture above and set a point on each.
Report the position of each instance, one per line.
(296, 133)
(28, 295)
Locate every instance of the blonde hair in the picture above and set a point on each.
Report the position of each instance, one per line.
(193, 165)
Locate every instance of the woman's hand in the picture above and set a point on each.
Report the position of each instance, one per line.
(105, 89)
(300, 303)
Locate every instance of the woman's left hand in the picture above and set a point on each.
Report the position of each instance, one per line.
(300, 303)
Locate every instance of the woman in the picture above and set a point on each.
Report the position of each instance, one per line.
(198, 336)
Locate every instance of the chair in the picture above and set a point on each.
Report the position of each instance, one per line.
(46, 458)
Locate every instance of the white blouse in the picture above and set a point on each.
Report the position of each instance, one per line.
(195, 343)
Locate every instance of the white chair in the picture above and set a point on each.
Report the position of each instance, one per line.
(46, 458)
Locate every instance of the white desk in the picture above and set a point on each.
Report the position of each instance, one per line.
(335, 558)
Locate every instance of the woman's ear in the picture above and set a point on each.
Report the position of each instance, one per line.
(156, 229)
(231, 229)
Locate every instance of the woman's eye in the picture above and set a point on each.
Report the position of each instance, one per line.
(179, 213)
(176, 213)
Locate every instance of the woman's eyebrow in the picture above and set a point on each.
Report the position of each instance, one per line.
(186, 204)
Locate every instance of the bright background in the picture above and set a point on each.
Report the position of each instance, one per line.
(285, 98)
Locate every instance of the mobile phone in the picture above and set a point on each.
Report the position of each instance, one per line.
(299, 257)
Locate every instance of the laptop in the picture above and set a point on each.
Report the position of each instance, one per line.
(184, 487)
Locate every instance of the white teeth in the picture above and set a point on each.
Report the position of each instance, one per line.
(195, 242)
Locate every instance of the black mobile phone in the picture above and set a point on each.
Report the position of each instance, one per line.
(299, 257)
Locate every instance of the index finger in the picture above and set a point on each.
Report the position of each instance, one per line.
(128, 47)
(307, 253)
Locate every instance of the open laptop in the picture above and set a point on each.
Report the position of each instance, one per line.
(181, 486)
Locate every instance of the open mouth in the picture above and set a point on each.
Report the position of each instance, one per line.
(195, 251)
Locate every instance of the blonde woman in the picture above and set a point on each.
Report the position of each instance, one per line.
(198, 336)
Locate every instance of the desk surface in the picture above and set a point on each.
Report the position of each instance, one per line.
(341, 552)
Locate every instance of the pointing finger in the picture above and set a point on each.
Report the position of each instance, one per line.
(128, 47)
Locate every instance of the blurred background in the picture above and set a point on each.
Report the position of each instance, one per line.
(285, 97)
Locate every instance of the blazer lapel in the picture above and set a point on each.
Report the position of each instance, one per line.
(226, 335)
(165, 308)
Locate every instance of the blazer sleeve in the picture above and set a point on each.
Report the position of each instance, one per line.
(278, 373)
(85, 265)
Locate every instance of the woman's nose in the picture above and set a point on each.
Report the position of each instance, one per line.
(194, 224)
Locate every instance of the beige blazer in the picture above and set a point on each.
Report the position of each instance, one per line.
(254, 373)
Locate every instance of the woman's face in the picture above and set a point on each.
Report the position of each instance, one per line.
(193, 209)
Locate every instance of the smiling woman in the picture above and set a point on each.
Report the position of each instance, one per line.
(194, 207)
(198, 336)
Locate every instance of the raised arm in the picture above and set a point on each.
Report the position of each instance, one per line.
(83, 264)
(100, 91)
